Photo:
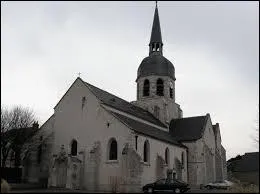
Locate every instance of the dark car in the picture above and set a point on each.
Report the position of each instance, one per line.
(172, 185)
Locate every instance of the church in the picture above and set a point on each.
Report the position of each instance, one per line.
(97, 141)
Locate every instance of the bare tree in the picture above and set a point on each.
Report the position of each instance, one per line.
(4, 119)
(12, 123)
(255, 136)
(17, 117)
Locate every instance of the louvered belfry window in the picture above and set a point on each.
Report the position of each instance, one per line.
(159, 87)
(146, 91)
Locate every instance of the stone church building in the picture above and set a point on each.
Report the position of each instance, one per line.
(98, 141)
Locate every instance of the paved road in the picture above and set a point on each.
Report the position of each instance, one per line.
(78, 191)
(50, 190)
(208, 191)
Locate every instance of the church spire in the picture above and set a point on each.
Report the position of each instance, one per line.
(156, 37)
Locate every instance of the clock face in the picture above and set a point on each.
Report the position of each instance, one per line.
(171, 85)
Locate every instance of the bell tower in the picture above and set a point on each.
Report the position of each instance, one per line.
(156, 79)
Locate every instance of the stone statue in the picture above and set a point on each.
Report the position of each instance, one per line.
(62, 155)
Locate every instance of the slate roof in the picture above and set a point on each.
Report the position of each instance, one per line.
(147, 129)
(156, 36)
(156, 64)
(188, 129)
(248, 163)
(122, 105)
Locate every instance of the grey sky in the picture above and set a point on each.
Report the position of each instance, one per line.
(214, 47)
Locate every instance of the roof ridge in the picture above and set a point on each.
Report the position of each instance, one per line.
(129, 103)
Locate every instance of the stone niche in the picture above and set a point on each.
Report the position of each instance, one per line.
(65, 171)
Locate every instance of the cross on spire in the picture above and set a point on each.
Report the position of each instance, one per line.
(79, 74)
(156, 3)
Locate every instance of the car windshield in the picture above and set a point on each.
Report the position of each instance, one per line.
(179, 181)
(161, 181)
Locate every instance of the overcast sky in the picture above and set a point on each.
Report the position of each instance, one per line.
(214, 47)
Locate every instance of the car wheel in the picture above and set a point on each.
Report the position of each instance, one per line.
(177, 190)
(208, 187)
(150, 190)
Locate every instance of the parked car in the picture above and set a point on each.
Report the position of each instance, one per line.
(172, 185)
(219, 185)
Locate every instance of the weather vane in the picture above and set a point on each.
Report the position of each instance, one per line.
(156, 3)
(79, 74)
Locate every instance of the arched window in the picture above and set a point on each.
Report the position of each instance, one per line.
(171, 91)
(146, 151)
(182, 159)
(159, 87)
(167, 156)
(74, 148)
(39, 155)
(112, 149)
(146, 91)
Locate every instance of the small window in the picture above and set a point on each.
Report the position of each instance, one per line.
(146, 91)
(167, 156)
(146, 151)
(113, 150)
(39, 155)
(157, 47)
(74, 147)
(83, 101)
(182, 159)
(159, 87)
(171, 92)
(136, 137)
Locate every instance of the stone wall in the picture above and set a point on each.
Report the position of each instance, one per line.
(196, 162)
(224, 162)
(92, 165)
(218, 167)
(210, 167)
